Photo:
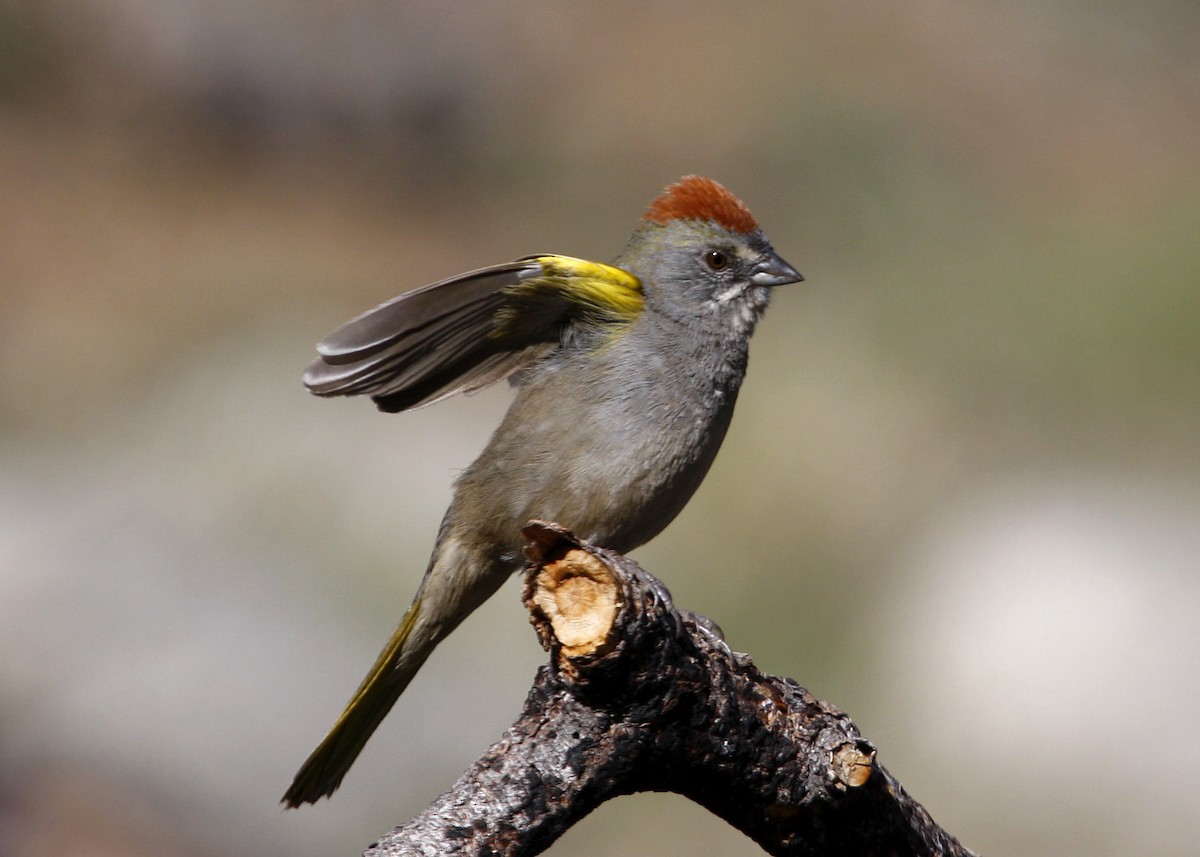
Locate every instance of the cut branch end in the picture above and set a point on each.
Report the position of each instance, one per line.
(578, 596)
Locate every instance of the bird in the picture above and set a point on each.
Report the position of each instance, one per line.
(625, 378)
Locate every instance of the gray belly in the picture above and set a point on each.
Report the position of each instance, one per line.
(615, 463)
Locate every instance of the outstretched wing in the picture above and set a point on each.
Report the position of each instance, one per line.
(466, 332)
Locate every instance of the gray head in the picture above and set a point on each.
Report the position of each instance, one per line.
(703, 259)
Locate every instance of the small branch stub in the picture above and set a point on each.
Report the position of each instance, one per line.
(578, 597)
(853, 764)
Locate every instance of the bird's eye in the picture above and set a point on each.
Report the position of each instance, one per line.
(717, 260)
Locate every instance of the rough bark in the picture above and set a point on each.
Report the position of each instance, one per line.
(640, 696)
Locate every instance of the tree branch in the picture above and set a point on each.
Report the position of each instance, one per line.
(640, 696)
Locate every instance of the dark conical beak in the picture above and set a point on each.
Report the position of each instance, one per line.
(773, 271)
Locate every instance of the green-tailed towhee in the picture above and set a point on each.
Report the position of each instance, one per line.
(626, 377)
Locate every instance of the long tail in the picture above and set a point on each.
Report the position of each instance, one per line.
(323, 770)
(458, 581)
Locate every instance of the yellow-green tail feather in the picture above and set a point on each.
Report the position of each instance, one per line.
(324, 769)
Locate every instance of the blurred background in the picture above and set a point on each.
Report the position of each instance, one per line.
(960, 498)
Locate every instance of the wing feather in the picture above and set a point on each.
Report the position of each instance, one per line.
(469, 331)
(426, 344)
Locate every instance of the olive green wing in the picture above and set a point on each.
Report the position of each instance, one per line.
(468, 331)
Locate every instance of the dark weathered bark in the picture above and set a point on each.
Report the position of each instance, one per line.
(640, 696)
